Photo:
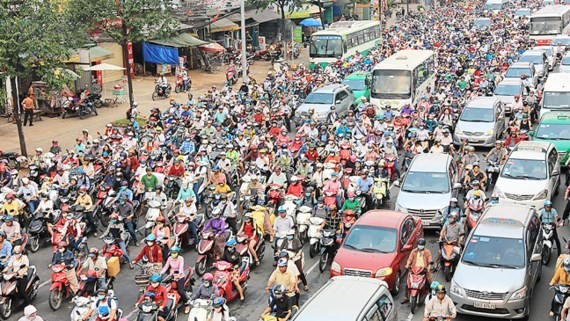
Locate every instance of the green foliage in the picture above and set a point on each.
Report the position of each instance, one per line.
(34, 38)
(144, 19)
(281, 4)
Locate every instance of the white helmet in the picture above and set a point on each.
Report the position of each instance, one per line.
(39, 150)
(135, 104)
(29, 310)
(25, 180)
(294, 178)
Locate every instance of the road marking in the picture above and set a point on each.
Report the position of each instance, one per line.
(312, 268)
(44, 284)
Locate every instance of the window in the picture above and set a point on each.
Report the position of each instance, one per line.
(385, 306)
(552, 159)
(374, 314)
(406, 232)
(342, 95)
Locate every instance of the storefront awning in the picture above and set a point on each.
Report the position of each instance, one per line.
(301, 13)
(223, 25)
(97, 54)
(180, 41)
(259, 16)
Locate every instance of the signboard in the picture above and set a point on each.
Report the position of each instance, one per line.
(298, 34)
(131, 58)
(262, 43)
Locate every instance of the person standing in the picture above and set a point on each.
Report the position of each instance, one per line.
(28, 105)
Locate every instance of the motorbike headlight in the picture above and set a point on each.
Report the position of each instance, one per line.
(519, 294)
(335, 267)
(498, 192)
(456, 289)
(490, 132)
(383, 272)
(400, 208)
(541, 196)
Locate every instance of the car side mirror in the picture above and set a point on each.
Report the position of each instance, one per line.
(338, 101)
(407, 247)
(555, 172)
(536, 257)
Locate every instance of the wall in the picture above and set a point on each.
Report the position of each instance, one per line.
(117, 60)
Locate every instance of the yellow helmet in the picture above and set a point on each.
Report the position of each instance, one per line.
(477, 194)
(180, 157)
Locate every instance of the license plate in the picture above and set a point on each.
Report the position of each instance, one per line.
(473, 140)
(482, 305)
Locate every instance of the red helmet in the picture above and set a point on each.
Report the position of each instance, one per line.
(161, 219)
(208, 277)
(83, 188)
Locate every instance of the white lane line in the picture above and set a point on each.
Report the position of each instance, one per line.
(312, 268)
(44, 283)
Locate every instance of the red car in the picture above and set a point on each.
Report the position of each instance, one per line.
(378, 245)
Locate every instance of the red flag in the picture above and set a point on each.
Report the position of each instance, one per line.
(215, 18)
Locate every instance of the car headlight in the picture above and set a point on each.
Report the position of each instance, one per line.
(458, 131)
(456, 289)
(541, 196)
(490, 132)
(400, 208)
(335, 267)
(498, 192)
(519, 294)
(383, 272)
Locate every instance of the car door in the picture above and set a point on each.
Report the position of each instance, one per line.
(499, 119)
(534, 246)
(553, 171)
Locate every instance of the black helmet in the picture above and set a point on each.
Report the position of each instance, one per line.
(279, 291)
(440, 289)
(422, 241)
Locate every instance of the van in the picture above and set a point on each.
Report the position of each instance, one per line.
(501, 263)
(427, 187)
(497, 5)
(481, 122)
(556, 94)
(350, 298)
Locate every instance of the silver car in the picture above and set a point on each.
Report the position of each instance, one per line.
(323, 98)
(550, 55)
(565, 63)
(518, 69)
(481, 122)
(539, 59)
(500, 265)
(506, 90)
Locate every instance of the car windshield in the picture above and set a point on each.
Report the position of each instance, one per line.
(372, 239)
(326, 47)
(522, 12)
(319, 98)
(532, 169)
(391, 84)
(547, 50)
(556, 99)
(426, 182)
(355, 84)
(545, 26)
(494, 6)
(537, 59)
(477, 115)
(495, 252)
(482, 23)
(564, 41)
(553, 131)
(507, 90)
(565, 60)
(517, 72)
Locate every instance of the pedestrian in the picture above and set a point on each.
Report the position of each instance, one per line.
(28, 105)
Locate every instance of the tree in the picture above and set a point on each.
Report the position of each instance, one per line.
(291, 5)
(35, 40)
(124, 21)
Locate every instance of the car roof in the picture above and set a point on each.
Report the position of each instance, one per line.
(520, 64)
(536, 150)
(339, 291)
(430, 162)
(510, 81)
(504, 220)
(483, 102)
(553, 117)
(330, 88)
(533, 53)
(357, 75)
(383, 218)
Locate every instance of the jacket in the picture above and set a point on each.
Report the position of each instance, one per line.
(413, 255)
(153, 254)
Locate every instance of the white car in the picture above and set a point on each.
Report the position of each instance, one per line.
(539, 59)
(530, 176)
(518, 69)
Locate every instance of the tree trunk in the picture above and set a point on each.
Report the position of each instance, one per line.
(125, 47)
(321, 15)
(282, 6)
(17, 118)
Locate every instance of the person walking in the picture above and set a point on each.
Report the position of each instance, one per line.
(28, 105)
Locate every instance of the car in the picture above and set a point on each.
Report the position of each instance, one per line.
(565, 63)
(554, 128)
(496, 275)
(518, 69)
(530, 176)
(355, 299)
(359, 83)
(323, 98)
(378, 246)
(560, 44)
(523, 12)
(428, 186)
(481, 122)
(556, 93)
(539, 59)
(482, 23)
(506, 91)
(550, 56)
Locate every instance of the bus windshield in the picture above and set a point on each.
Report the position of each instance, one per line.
(391, 84)
(545, 26)
(326, 47)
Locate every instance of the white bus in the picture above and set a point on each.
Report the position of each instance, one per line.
(343, 39)
(402, 78)
(556, 94)
(548, 22)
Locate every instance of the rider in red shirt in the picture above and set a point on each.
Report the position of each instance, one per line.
(295, 188)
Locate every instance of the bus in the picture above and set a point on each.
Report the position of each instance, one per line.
(548, 22)
(343, 39)
(403, 78)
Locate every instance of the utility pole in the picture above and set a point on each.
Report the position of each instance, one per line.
(244, 75)
(125, 49)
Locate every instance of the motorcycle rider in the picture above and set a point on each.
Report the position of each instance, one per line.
(280, 304)
(160, 296)
(548, 214)
(105, 306)
(162, 83)
(207, 290)
(561, 276)
(189, 211)
(67, 258)
(498, 154)
(285, 277)
(420, 256)
(351, 203)
(96, 263)
(152, 251)
(221, 311)
(283, 222)
(30, 314)
(440, 305)
(125, 212)
(29, 192)
(116, 228)
(476, 187)
(250, 228)
(293, 245)
(452, 231)
(234, 258)
(20, 264)
(175, 267)
(12, 230)
(83, 199)
(217, 225)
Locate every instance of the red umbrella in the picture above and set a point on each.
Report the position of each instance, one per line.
(212, 47)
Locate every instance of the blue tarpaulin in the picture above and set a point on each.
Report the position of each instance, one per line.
(160, 54)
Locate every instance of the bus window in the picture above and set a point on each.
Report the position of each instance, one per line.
(391, 84)
(326, 46)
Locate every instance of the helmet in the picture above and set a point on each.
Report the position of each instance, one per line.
(475, 182)
(422, 241)
(218, 302)
(279, 291)
(453, 199)
(161, 219)
(441, 289)
(29, 310)
(175, 249)
(566, 264)
(150, 238)
(39, 150)
(282, 262)
(294, 179)
(547, 204)
(434, 285)
(155, 278)
(453, 214)
(231, 242)
(83, 188)
(149, 295)
(208, 277)
(281, 209)
(103, 289)
(216, 212)
(61, 244)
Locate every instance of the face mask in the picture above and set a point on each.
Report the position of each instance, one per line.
(155, 285)
(100, 296)
(421, 247)
(61, 250)
(113, 221)
(289, 237)
(149, 243)
(174, 255)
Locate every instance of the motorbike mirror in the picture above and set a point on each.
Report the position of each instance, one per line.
(536, 257)
(397, 183)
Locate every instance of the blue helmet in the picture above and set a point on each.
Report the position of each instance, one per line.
(548, 203)
(231, 242)
(218, 302)
(281, 209)
(175, 249)
(434, 285)
(155, 278)
(149, 295)
(150, 238)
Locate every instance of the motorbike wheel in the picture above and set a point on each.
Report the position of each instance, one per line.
(154, 95)
(55, 298)
(167, 92)
(447, 272)
(323, 261)
(81, 114)
(6, 309)
(34, 244)
(63, 115)
(546, 255)
(34, 289)
(303, 237)
(178, 89)
(415, 301)
(200, 267)
(98, 103)
(314, 250)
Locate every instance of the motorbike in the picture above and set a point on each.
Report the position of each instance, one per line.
(223, 280)
(60, 287)
(328, 248)
(160, 93)
(275, 195)
(102, 207)
(330, 199)
(180, 229)
(10, 294)
(475, 211)
(302, 219)
(243, 247)
(277, 242)
(112, 249)
(95, 99)
(492, 172)
(390, 164)
(315, 234)
(148, 311)
(379, 195)
(561, 293)
(547, 234)
(151, 215)
(38, 229)
(449, 257)
(231, 76)
(200, 310)
(172, 287)
(416, 286)
(205, 252)
(81, 110)
(82, 305)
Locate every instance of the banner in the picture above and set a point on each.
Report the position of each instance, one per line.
(160, 54)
